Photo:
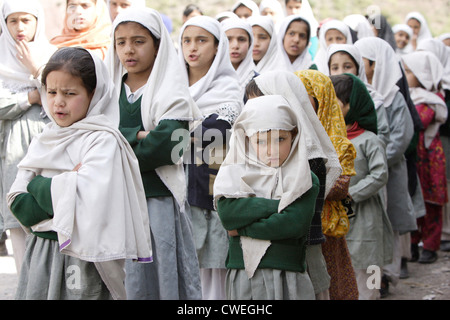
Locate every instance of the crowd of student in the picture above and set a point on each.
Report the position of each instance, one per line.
(263, 155)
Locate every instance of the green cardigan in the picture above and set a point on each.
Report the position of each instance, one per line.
(258, 218)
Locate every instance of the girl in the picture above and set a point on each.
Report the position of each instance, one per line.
(335, 222)
(293, 42)
(240, 39)
(86, 24)
(424, 74)
(333, 31)
(272, 9)
(403, 35)
(384, 72)
(265, 47)
(78, 191)
(266, 170)
(369, 238)
(154, 106)
(417, 22)
(322, 157)
(191, 10)
(214, 86)
(245, 9)
(25, 49)
(117, 6)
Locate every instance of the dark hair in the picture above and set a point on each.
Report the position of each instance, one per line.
(307, 24)
(252, 89)
(76, 61)
(351, 57)
(286, 1)
(343, 85)
(191, 8)
(156, 41)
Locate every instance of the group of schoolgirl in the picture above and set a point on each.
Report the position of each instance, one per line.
(101, 188)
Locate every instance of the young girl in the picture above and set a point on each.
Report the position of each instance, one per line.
(266, 170)
(240, 39)
(86, 24)
(293, 42)
(417, 22)
(214, 86)
(403, 35)
(369, 238)
(322, 157)
(117, 6)
(245, 9)
(335, 222)
(24, 50)
(265, 47)
(424, 74)
(155, 104)
(78, 191)
(272, 9)
(384, 72)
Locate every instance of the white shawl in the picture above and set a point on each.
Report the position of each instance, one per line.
(307, 12)
(275, 6)
(304, 60)
(246, 69)
(441, 51)
(405, 28)
(360, 25)
(166, 95)
(320, 59)
(387, 68)
(100, 211)
(249, 4)
(242, 175)
(219, 88)
(428, 71)
(271, 60)
(424, 32)
(13, 74)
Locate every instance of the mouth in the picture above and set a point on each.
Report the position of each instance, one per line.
(131, 62)
(193, 57)
(256, 52)
(60, 114)
(20, 37)
(235, 55)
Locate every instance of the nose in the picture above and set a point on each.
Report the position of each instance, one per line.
(59, 100)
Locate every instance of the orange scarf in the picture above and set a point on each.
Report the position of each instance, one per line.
(96, 38)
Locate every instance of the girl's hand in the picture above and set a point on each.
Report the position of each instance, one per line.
(142, 134)
(233, 233)
(78, 166)
(24, 56)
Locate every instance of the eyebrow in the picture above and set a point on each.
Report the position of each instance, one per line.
(196, 37)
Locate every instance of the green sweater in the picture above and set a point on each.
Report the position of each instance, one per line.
(258, 218)
(155, 150)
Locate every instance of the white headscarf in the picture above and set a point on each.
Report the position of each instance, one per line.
(219, 88)
(307, 12)
(271, 60)
(100, 211)
(249, 4)
(387, 68)
(424, 32)
(166, 95)
(321, 57)
(444, 36)
(246, 69)
(441, 51)
(360, 25)
(134, 4)
(428, 70)
(318, 143)
(304, 60)
(405, 28)
(242, 175)
(13, 74)
(275, 6)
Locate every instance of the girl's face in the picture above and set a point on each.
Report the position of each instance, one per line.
(295, 39)
(199, 48)
(370, 69)
(135, 48)
(81, 14)
(335, 36)
(415, 25)
(194, 13)
(22, 26)
(261, 43)
(117, 6)
(344, 107)
(67, 97)
(272, 147)
(243, 12)
(411, 78)
(239, 42)
(293, 7)
(340, 63)
(401, 39)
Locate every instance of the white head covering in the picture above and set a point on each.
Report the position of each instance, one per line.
(134, 4)
(304, 60)
(441, 51)
(387, 68)
(428, 70)
(249, 4)
(100, 211)
(353, 51)
(307, 12)
(405, 28)
(226, 14)
(243, 175)
(444, 36)
(219, 88)
(166, 95)
(270, 61)
(274, 5)
(424, 32)
(246, 69)
(318, 143)
(360, 25)
(321, 57)
(13, 74)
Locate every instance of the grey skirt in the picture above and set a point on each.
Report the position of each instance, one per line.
(317, 268)
(269, 284)
(174, 273)
(47, 274)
